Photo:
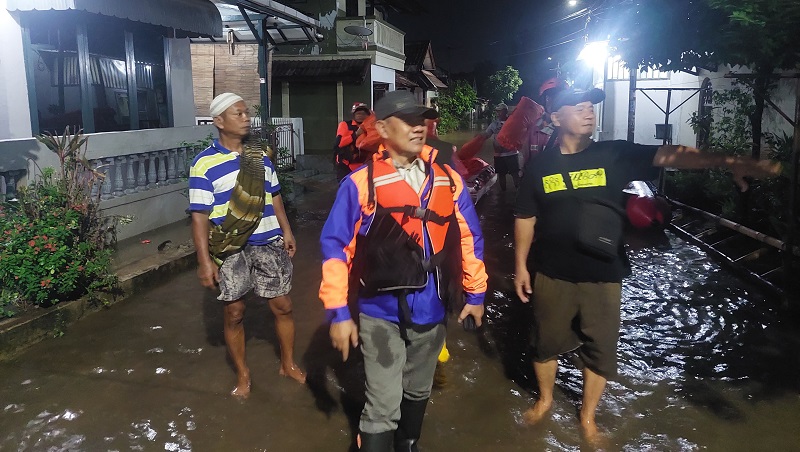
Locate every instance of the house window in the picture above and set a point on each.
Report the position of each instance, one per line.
(54, 59)
(109, 79)
(618, 71)
(151, 81)
(62, 100)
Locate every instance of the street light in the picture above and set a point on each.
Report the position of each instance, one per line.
(594, 54)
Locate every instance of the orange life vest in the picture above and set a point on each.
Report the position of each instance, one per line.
(395, 257)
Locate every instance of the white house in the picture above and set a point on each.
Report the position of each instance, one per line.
(121, 71)
(686, 93)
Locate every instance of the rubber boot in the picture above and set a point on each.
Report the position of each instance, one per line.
(412, 412)
(376, 442)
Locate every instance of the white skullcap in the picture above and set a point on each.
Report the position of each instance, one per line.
(222, 102)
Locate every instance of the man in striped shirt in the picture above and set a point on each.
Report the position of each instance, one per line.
(264, 263)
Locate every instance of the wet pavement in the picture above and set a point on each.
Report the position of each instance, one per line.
(706, 363)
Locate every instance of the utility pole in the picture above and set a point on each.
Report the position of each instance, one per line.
(632, 105)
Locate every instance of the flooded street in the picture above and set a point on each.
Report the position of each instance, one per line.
(706, 363)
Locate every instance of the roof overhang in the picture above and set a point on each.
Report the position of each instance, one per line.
(196, 17)
(284, 25)
(434, 80)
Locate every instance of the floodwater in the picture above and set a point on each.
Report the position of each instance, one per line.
(706, 363)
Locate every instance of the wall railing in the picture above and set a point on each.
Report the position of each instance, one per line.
(383, 37)
(146, 171)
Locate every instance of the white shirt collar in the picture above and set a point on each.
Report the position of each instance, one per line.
(414, 174)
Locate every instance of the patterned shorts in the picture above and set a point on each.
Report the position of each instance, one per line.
(265, 268)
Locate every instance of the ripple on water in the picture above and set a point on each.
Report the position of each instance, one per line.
(14, 408)
(174, 434)
(189, 351)
(684, 320)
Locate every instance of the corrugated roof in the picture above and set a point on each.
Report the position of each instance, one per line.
(193, 16)
(285, 25)
(352, 70)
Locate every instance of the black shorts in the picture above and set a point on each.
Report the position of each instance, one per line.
(584, 317)
(508, 164)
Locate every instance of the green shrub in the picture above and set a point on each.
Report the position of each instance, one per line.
(455, 104)
(765, 205)
(53, 240)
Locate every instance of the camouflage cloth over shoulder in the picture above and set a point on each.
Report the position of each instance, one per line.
(246, 206)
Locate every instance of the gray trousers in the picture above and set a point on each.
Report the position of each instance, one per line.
(395, 370)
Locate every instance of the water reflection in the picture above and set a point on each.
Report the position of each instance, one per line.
(691, 339)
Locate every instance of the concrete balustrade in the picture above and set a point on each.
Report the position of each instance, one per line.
(145, 172)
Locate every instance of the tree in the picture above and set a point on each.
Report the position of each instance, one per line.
(504, 84)
(455, 105)
(680, 35)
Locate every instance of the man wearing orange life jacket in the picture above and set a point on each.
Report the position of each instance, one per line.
(345, 154)
(403, 227)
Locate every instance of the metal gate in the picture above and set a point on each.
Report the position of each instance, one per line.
(282, 140)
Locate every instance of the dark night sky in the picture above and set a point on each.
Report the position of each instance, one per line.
(467, 32)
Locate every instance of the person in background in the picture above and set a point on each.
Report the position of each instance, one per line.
(242, 235)
(346, 156)
(567, 199)
(405, 228)
(506, 161)
(539, 134)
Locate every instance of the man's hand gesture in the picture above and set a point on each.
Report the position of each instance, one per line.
(343, 334)
(757, 169)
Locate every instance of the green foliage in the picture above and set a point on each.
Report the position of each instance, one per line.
(676, 35)
(672, 36)
(455, 105)
(764, 206)
(53, 240)
(284, 176)
(729, 120)
(504, 84)
(195, 147)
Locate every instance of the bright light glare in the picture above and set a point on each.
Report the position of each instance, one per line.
(572, 2)
(594, 54)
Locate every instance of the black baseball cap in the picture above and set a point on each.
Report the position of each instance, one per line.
(402, 103)
(574, 97)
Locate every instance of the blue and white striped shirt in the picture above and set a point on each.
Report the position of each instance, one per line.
(211, 180)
